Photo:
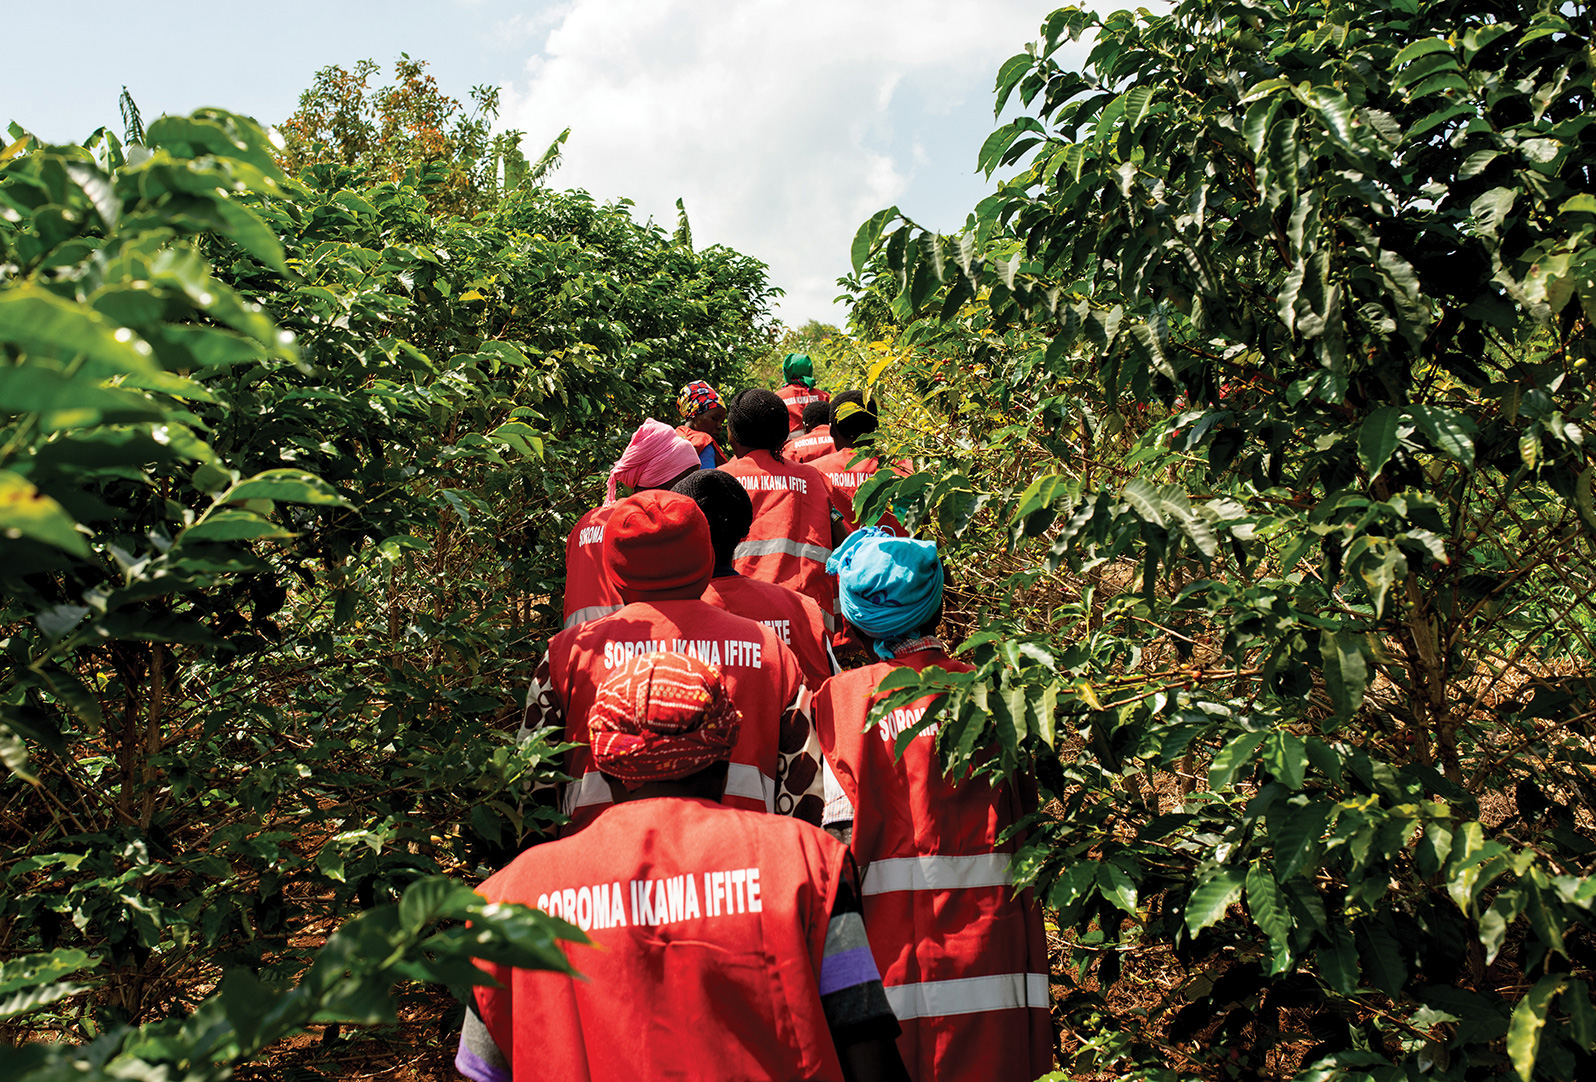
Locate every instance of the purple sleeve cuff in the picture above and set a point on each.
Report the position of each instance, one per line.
(478, 1069)
(847, 969)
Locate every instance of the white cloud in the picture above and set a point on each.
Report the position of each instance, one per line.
(773, 119)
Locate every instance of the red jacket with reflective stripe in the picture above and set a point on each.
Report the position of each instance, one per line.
(701, 440)
(716, 978)
(937, 899)
(589, 593)
(796, 619)
(790, 539)
(761, 674)
(797, 396)
(809, 446)
(845, 481)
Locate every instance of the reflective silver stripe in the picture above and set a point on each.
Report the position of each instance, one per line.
(741, 780)
(591, 789)
(936, 873)
(750, 782)
(829, 620)
(785, 546)
(592, 612)
(968, 995)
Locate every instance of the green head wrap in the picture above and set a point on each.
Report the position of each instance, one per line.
(798, 368)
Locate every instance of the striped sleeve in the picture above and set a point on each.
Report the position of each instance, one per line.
(851, 995)
(479, 1058)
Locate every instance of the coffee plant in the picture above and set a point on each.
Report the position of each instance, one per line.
(287, 461)
(1270, 372)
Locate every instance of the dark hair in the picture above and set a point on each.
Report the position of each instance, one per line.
(817, 413)
(725, 504)
(851, 429)
(758, 420)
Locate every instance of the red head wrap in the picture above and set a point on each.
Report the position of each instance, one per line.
(661, 717)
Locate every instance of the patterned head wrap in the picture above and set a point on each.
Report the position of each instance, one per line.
(661, 717)
(890, 585)
(697, 397)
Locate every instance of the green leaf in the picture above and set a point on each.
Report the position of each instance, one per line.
(1009, 76)
(27, 512)
(1138, 100)
(1116, 886)
(31, 970)
(68, 402)
(233, 525)
(526, 440)
(1268, 907)
(1450, 431)
(1416, 49)
(1346, 676)
(1581, 1016)
(1382, 957)
(1377, 439)
(15, 1006)
(1338, 962)
(864, 241)
(14, 754)
(1283, 161)
(1218, 887)
(1488, 211)
(218, 133)
(1143, 497)
(1293, 831)
(1529, 1019)
(44, 325)
(289, 486)
(245, 228)
(1286, 757)
(1232, 757)
(1255, 127)
(433, 898)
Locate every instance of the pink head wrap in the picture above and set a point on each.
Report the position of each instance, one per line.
(655, 455)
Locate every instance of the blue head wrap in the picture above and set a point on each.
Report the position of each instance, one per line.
(890, 585)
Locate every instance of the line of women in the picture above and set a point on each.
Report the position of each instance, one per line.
(960, 952)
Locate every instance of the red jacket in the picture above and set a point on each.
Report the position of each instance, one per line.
(701, 440)
(797, 396)
(790, 539)
(963, 957)
(709, 926)
(589, 593)
(761, 674)
(845, 480)
(797, 620)
(809, 446)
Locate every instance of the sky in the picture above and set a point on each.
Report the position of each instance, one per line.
(781, 124)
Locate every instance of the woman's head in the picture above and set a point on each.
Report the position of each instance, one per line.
(853, 419)
(702, 409)
(757, 421)
(725, 504)
(890, 587)
(816, 414)
(657, 457)
(799, 369)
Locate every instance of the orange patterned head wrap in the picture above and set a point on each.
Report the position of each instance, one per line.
(661, 717)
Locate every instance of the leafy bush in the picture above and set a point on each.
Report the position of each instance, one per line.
(287, 467)
(1273, 367)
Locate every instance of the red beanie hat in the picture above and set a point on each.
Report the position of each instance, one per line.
(657, 547)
